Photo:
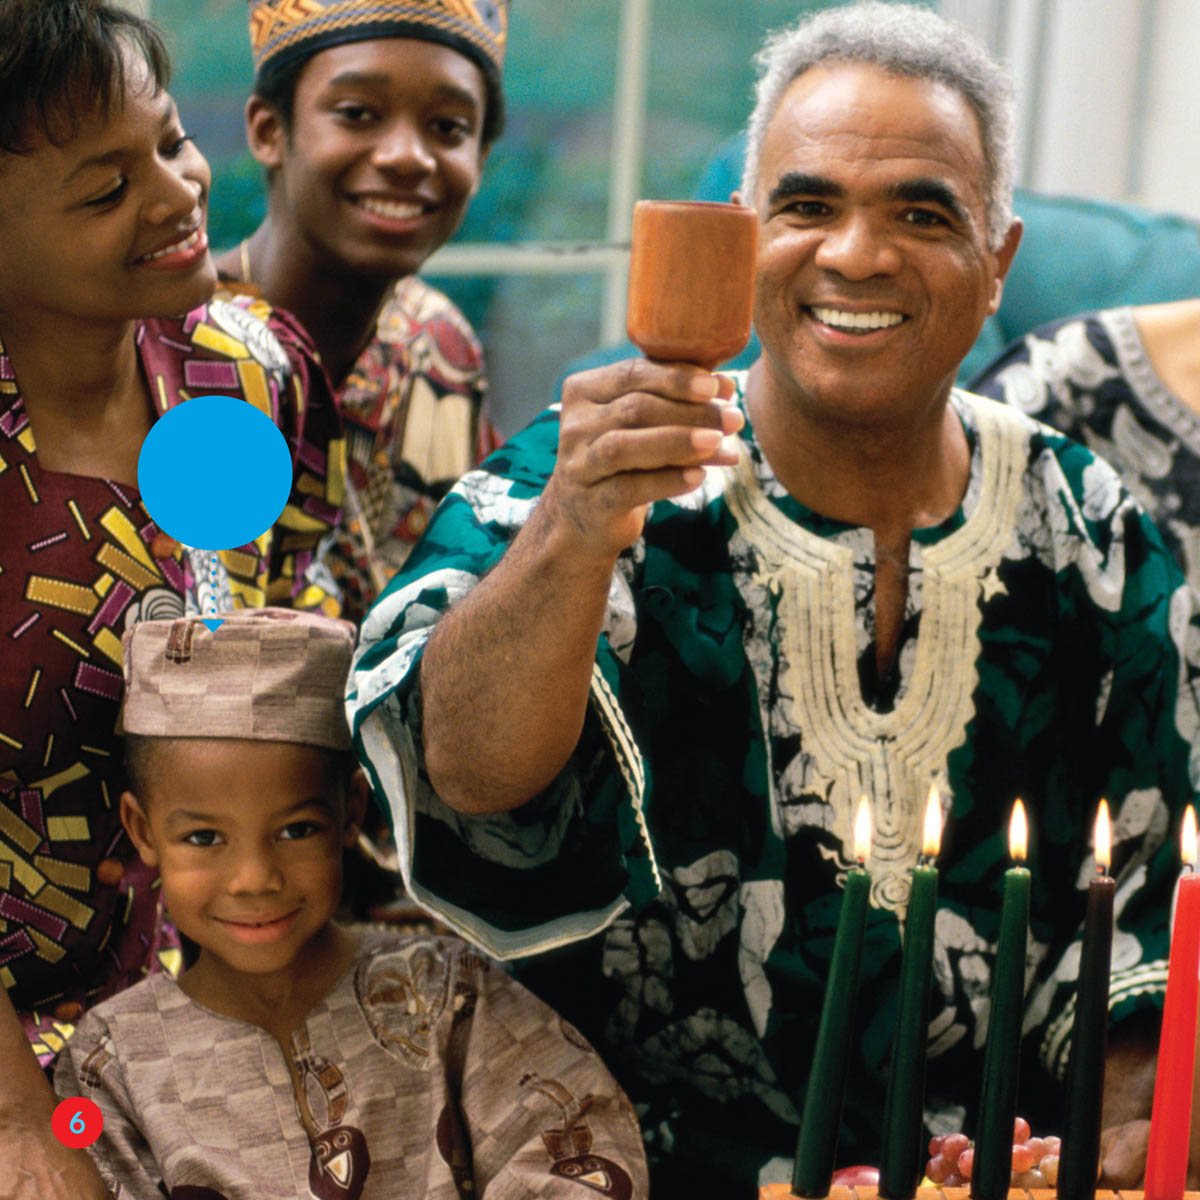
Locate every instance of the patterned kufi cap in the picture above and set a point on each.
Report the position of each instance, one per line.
(267, 674)
(285, 31)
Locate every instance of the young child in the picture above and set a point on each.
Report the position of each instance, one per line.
(295, 1058)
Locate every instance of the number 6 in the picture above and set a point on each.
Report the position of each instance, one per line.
(77, 1124)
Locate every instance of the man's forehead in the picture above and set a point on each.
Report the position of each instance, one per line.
(858, 109)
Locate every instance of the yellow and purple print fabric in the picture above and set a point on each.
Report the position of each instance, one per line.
(81, 561)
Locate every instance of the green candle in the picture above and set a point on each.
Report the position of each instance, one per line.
(821, 1121)
(1002, 1055)
(904, 1100)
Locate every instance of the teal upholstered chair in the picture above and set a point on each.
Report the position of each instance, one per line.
(1075, 255)
(1081, 254)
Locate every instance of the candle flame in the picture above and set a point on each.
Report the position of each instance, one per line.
(1189, 836)
(1103, 839)
(932, 841)
(862, 830)
(1018, 833)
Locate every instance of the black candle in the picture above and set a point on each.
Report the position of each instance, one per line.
(1089, 1035)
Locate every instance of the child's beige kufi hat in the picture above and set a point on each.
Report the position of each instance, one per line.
(267, 674)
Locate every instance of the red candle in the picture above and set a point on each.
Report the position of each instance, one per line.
(1171, 1117)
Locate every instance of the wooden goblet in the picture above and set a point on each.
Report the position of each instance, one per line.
(691, 280)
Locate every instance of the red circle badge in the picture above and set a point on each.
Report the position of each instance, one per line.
(77, 1122)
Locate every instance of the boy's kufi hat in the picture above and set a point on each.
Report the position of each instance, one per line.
(267, 674)
(283, 32)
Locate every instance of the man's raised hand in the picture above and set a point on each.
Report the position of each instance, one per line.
(632, 433)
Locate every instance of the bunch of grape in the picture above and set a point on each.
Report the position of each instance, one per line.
(1034, 1159)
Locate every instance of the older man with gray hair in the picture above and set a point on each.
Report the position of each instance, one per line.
(628, 692)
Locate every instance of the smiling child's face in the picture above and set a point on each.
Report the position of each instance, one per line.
(248, 838)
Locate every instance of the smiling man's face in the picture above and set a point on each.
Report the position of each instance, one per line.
(874, 272)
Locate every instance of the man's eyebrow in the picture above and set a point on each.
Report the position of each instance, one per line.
(800, 183)
(118, 153)
(928, 190)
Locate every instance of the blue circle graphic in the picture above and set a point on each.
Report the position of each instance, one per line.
(214, 472)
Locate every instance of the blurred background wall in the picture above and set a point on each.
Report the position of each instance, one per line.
(612, 100)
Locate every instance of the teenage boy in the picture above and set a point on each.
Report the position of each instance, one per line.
(374, 122)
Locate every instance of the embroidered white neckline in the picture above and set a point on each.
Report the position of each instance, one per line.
(892, 757)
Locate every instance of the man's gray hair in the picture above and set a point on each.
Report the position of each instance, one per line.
(902, 40)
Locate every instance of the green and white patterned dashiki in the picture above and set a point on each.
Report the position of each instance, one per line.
(680, 883)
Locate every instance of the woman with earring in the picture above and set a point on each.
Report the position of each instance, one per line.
(105, 323)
